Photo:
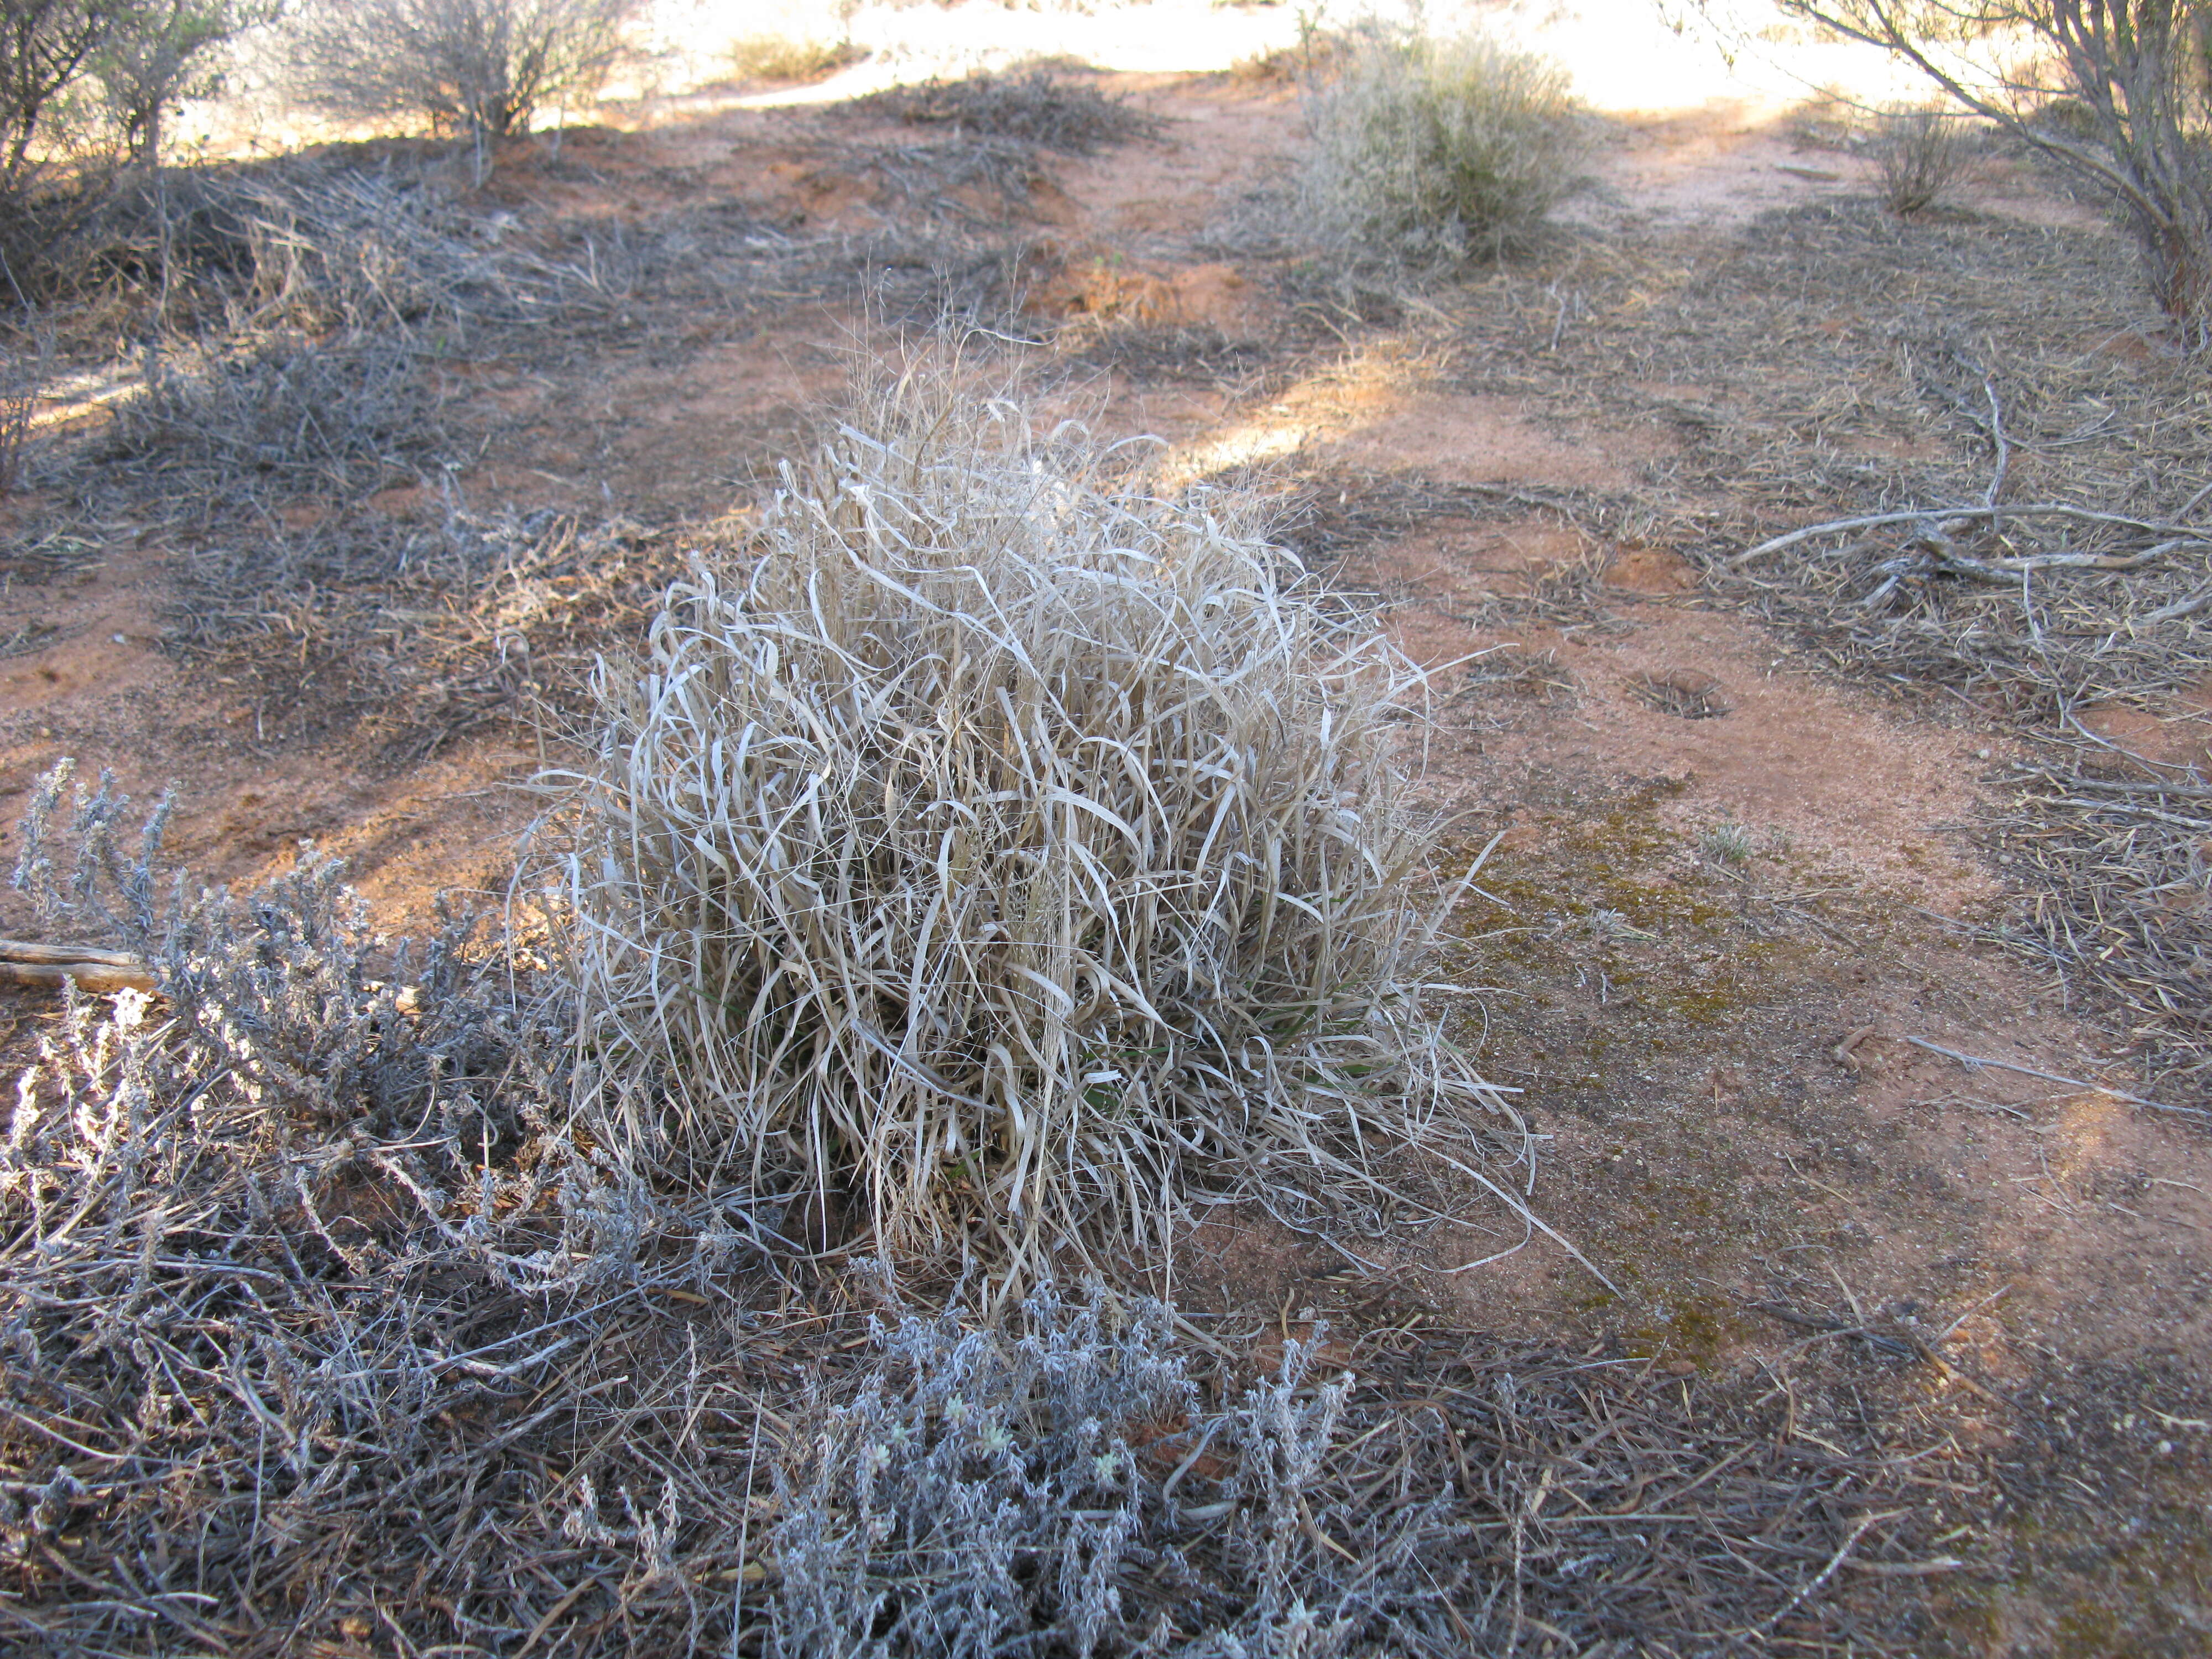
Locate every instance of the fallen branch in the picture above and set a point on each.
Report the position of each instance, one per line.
(1971, 1061)
(2080, 561)
(1941, 516)
(52, 966)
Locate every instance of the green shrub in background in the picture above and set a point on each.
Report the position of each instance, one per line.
(84, 85)
(2119, 93)
(479, 68)
(1436, 149)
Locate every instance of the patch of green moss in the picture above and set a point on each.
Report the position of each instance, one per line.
(1699, 1327)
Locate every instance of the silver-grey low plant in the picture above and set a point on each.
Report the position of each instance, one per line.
(979, 1488)
(1001, 1490)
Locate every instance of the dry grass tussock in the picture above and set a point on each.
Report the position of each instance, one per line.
(790, 57)
(998, 844)
(1434, 150)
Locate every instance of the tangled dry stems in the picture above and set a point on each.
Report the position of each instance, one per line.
(473, 66)
(340, 414)
(1919, 155)
(22, 373)
(422, 634)
(990, 140)
(1000, 845)
(1035, 107)
(321, 294)
(318, 309)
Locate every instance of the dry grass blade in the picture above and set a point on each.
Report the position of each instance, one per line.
(1002, 846)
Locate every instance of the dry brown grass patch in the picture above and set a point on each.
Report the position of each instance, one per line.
(790, 58)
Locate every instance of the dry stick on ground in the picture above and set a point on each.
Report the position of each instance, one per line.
(1971, 1061)
(55, 965)
(2182, 535)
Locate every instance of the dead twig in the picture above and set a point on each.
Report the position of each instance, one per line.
(88, 966)
(2185, 535)
(1973, 1061)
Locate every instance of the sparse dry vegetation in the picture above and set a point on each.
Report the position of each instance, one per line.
(293, 414)
(973, 1125)
(1919, 155)
(84, 85)
(1034, 106)
(2138, 107)
(477, 67)
(1431, 147)
(791, 56)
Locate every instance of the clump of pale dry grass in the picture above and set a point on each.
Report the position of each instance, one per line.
(1438, 149)
(1920, 157)
(1000, 845)
(791, 56)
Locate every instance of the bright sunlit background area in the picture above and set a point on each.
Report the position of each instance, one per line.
(1648, 57)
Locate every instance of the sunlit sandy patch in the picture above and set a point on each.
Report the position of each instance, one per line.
(1382, 412)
